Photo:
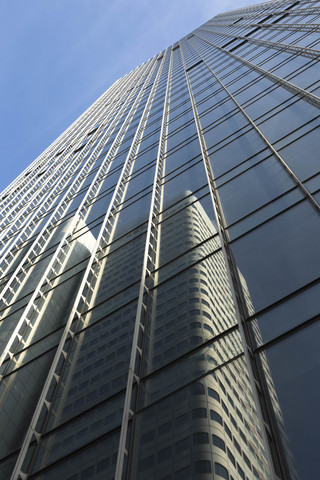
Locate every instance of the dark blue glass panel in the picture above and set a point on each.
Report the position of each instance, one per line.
(279, 257)
(302, 155)
(289, 314)
(253, 188)
(235, 152)
(288, 120)
(295, 369)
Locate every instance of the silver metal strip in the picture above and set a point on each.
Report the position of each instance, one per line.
(59, 173)
(295, 27)
(232, 277)
(48, 162)
(254, 12)
(56, 162)
(67, 137)
(147, 266)
(260, 6)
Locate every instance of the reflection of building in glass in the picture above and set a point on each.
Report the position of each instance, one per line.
(211, 425)
(158, 284)
(21, 387)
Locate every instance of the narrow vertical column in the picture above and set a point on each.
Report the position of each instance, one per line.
(151, 247)
(258, 375)
(269, 145)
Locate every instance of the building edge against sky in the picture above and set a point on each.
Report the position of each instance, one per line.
(160, 268)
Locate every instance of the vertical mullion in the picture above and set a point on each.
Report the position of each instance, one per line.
(139, 327)
(66, 136)
(257, 368)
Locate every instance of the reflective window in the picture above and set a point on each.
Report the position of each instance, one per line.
(218, 442)
(202, 466)
(215, 416)
(296, 153)
(295, 369)
(292, 312)
(235, 151)
(279, 257)
(288, 120)
(253, 188)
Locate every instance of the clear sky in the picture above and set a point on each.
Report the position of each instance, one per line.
(58, 56)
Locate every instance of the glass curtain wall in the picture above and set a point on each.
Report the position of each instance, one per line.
(159, 272)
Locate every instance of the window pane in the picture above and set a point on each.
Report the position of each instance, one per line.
(235, 151)
(295, 370)
(289, 314)
(253, 188)
(279, 257)
(302, 149)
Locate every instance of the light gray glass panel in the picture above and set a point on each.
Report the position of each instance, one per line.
(141, 178)
(187, 259)
(288, 68)
(79, 432)
(99, 207)
(216, 134)
(266, 212)
(178, 157)
(190, 367)
(184, 134)
(132, 213)
(97, 367)
(19, 394)
(188, 310)
(182, 185)
(259, 102)
(313, 185)
(288, 120)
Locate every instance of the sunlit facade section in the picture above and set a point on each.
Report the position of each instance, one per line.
(159, 272)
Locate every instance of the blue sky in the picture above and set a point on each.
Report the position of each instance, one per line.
(58, 56)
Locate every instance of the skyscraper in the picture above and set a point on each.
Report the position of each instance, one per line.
(160, 268)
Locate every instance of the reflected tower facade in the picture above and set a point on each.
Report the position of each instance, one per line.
(159, 273)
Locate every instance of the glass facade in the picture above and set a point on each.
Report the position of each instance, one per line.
(159, 268)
